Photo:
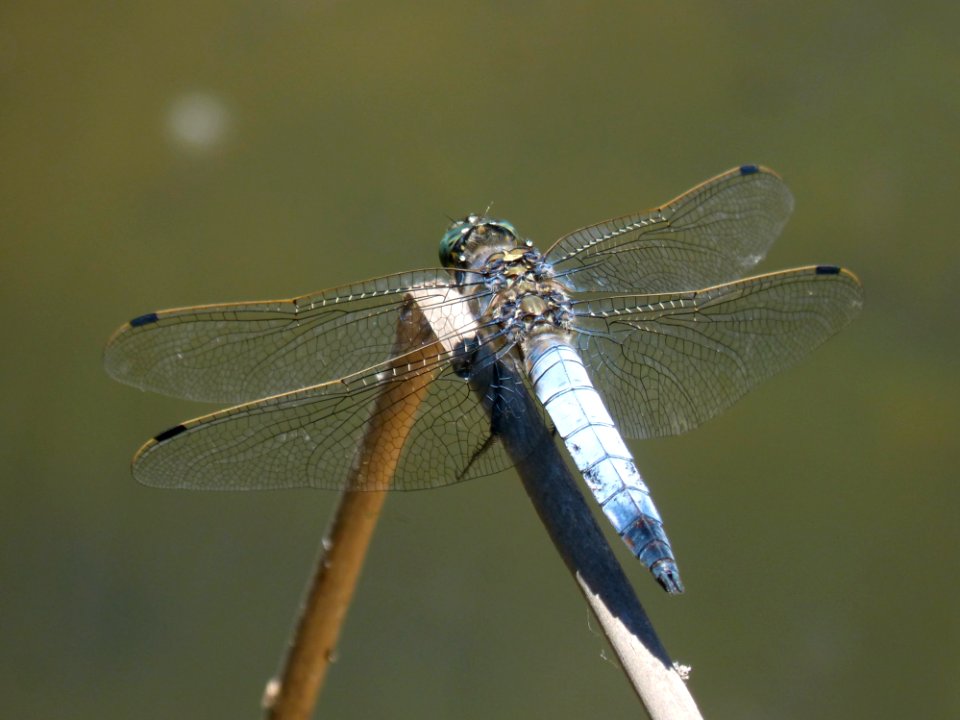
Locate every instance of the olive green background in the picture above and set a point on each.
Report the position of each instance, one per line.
(815, 522)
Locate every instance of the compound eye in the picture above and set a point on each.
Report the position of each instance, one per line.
(452, 242)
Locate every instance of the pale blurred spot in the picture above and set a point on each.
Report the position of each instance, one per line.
(197, 121)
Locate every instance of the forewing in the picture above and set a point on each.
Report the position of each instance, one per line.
(667, 363)
(315, 437)
(239, 352)
(712, 234)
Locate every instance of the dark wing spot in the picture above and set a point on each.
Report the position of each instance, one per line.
(144, 320)
(172, 432)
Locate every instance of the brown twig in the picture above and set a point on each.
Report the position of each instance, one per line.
(293, 694)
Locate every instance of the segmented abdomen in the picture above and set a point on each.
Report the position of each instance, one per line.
(561, 383)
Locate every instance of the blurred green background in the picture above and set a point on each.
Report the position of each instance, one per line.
(164, 154)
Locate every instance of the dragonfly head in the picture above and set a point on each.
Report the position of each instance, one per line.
(464, 237)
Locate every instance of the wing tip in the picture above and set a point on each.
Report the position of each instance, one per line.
(838, 270)
(158, 439)
(109, 358)
(136, 464)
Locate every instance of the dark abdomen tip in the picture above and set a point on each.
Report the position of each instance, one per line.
(668, 575)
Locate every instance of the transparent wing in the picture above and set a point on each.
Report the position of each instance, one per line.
(239, 352)
(666, 363)
(713, 233)
(312, 437)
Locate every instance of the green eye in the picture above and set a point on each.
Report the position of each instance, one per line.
(452, 238)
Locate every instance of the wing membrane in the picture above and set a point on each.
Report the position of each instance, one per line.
(713, 233)
(239, 352)
(312, 437)
(667, 363)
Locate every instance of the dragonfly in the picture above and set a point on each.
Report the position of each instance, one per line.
(640, 326)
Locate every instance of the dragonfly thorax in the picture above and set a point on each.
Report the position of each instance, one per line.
(525, 297)
(525, 312)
